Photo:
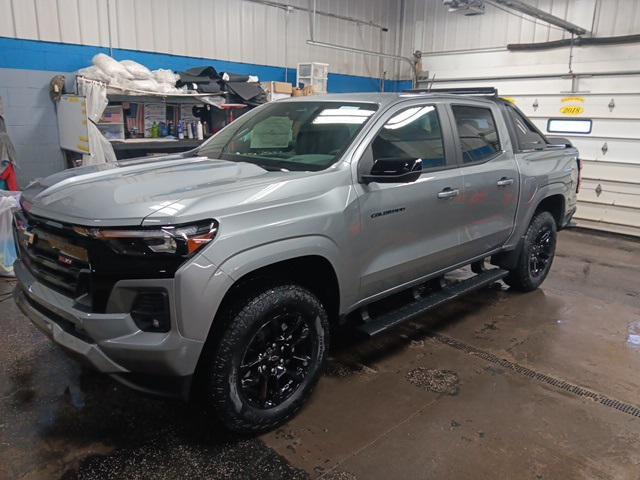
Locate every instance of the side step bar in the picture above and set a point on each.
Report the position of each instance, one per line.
(384, 322)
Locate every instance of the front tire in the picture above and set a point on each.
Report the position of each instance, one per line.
(536, 257)
(268, 359)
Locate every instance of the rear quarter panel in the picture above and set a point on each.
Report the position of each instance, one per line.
(543, 174)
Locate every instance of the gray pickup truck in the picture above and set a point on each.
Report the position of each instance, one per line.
(231, 263)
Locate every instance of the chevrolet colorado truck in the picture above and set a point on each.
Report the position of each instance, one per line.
(228, 264)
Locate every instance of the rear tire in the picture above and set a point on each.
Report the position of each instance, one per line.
(536, 257)
(268, 359)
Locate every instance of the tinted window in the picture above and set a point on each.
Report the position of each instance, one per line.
(305, 135)
(526, 134)
(477, 132)
(410, 134)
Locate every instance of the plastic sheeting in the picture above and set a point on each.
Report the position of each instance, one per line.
(96, 99)
(8, 179)
(8, 202)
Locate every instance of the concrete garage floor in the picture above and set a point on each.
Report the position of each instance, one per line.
(495, 385)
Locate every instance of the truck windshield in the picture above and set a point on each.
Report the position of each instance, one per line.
(302, 135)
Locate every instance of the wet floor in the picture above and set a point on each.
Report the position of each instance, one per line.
(496, 385)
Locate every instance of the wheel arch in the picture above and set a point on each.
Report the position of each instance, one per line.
(555, 204)
(311, 262)
(314, 272)
(549, 200)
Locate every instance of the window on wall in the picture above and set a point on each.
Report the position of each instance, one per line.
(477, 131)
(566, 125)
(410, 134)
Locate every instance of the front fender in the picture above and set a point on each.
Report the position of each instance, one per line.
(203, 283)
(242, 263)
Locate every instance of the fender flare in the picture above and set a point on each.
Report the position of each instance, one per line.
(203, 285)
(247, 261)
(508, 259)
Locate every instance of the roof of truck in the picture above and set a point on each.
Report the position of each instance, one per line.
(384, 98)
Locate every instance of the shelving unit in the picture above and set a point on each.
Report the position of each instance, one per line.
(123, 121)
(314, 74)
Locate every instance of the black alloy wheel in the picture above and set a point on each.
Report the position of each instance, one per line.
(541, 252)
(277, 359)
(536, 254)
(267, 359)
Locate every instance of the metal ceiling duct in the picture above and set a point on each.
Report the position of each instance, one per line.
(465, 7)
(527, 9)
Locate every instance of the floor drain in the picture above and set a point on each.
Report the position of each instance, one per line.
(577, 390)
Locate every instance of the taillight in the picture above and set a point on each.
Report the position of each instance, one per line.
(579, 174)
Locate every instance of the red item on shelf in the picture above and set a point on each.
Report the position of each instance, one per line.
(9, 176)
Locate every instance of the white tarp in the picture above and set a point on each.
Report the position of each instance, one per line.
(8, 202)
(96, 99)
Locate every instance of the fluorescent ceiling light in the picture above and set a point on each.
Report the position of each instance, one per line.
(346, 111)
(408, 116)
(339, 119)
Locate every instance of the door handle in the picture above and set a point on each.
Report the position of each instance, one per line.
(504, 181)
(448, 193)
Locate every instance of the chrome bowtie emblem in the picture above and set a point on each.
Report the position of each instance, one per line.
(30, 237)
(64, 260)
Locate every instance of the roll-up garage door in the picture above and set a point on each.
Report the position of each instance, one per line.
(605, 127)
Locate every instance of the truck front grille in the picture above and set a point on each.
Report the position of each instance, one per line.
(80, 267)
(55, 256)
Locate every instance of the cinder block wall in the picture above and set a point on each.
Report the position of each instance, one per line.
(31, 122)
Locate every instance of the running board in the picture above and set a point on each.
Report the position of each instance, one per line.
(417, 307)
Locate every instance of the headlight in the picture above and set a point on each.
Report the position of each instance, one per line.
(183, 240)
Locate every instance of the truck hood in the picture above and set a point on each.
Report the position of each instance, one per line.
(112, 195)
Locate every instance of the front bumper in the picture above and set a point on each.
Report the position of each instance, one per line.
(111, 342)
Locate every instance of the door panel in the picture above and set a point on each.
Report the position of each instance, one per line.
(490, 201)
(408, 231)
(490, 178)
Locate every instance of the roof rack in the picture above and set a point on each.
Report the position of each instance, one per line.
(489, 91)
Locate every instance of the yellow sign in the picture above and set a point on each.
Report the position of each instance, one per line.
(572, 100)
(572, 110)
(509, 99)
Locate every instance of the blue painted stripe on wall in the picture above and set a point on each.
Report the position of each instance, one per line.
(64, 57)
(397, 85)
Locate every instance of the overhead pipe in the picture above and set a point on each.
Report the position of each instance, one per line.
(537, 76)
(540, 14)
(289, 7)
(576, 42)
(360, 50)
(312, 41)
(465, 51)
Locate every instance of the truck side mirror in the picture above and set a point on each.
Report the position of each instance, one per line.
(394, 170)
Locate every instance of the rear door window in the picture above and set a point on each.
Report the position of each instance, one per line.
(477, 132)
(525, 132)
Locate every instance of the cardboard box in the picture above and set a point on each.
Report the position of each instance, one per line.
(278, 87)
(302, 92)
